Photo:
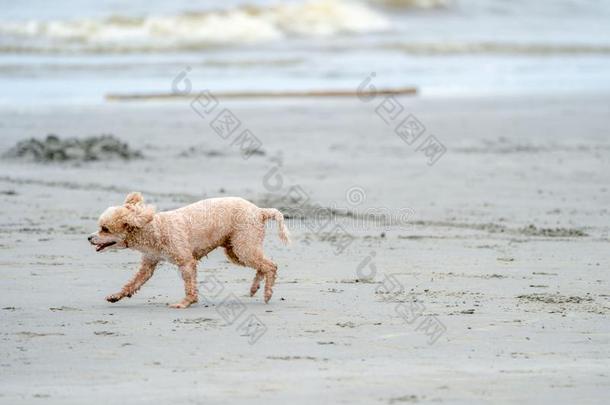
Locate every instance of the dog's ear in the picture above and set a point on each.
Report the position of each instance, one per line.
(134, 198)
(136, 216)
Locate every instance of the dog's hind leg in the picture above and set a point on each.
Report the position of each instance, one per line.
(248, 247)
(256, 283)
(264, 268)
(270, 276)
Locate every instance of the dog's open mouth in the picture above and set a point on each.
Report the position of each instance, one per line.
(102, 246)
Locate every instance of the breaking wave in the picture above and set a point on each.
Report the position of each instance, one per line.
(240, 25)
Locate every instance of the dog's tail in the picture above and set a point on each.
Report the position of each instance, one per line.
(272, 213)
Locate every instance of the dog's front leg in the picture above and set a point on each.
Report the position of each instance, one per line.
(147, 268)
(189, 275)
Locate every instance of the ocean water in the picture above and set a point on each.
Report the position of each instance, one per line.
(74, 52)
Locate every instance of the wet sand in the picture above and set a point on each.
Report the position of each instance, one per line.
(500, 248)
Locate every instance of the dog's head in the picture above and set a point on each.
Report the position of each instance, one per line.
(117, 223)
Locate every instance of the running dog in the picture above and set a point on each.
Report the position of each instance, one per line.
(185, 235)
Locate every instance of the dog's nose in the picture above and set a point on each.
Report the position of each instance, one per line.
(90, 238)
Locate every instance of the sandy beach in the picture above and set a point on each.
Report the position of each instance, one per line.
(482, 278)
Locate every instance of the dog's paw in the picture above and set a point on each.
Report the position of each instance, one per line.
(114, 297)
(267, 296)
(180, 305)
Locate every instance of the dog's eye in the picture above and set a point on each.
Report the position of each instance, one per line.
(104, 229)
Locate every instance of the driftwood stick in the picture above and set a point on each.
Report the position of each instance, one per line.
(263, 94)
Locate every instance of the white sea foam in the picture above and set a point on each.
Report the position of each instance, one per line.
(241, 25)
